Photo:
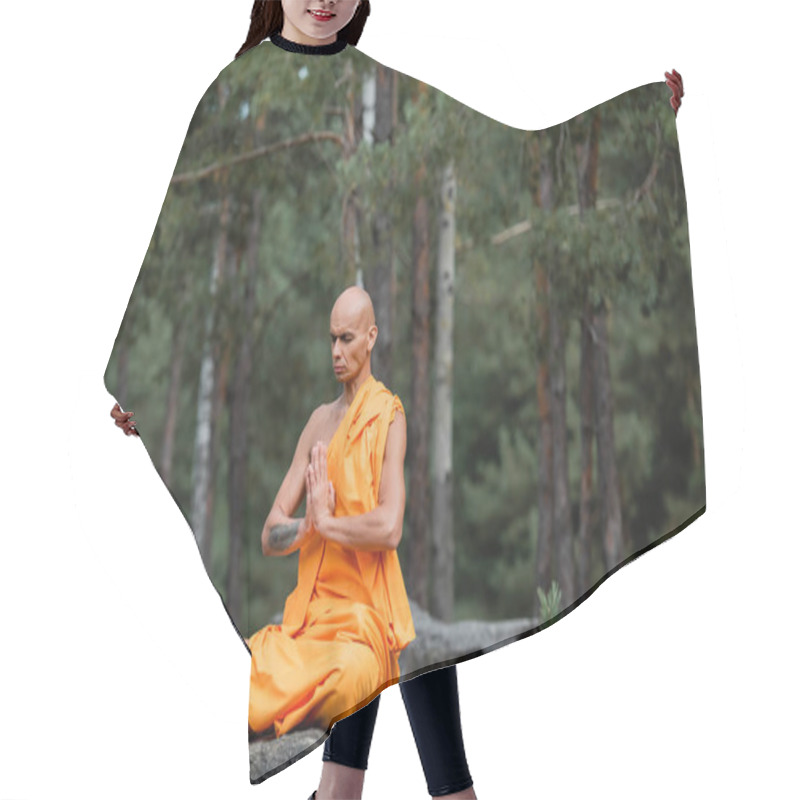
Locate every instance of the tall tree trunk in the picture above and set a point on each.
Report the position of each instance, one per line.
(584, 549)
(354, 110)
(544, 546)
(562, 518)
(173, 396)
(442, 523)
(369, 90)
(122, 372)
(237, 428)
(606, 455)
(586, 158)
(694, 416)
(418, 426)
(542, 187)
(223, 359)
(381, 282)
(201, 459)
(201, 463)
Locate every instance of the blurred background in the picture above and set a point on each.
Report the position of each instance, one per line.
(534, 302)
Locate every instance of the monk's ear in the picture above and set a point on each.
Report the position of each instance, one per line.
(372, 333)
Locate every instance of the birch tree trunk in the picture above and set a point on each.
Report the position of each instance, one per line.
(201, 462)
(381, 281)
(355, 110)
(239, 402)
(418, 427)
(442, 522)
(173, 396)
(222, 358)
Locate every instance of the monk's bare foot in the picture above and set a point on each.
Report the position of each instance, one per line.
(339, 782)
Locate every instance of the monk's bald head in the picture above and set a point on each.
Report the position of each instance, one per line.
(353, 334)
(353, 308)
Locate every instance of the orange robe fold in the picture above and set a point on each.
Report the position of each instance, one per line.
(348, 618)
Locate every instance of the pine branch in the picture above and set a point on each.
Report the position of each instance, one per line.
(205, 172)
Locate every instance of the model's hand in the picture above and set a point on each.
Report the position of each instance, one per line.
(675, 82)
(124, 420)
(320, 495)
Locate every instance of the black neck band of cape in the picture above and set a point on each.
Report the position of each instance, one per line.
(308, 49)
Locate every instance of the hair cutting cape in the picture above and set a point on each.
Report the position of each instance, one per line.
(533, 297)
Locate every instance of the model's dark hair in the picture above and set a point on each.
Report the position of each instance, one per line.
(266, 19)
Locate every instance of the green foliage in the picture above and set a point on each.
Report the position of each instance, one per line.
(631, 253)
(495, 521)
(550, 603)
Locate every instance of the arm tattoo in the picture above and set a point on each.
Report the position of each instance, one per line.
(281, 537)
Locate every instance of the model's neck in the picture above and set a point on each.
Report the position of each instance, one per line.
(330, 48)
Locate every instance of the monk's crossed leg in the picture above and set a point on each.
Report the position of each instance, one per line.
(329, 669)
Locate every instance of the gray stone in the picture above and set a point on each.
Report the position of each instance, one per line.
(268, 755)
(439, 641)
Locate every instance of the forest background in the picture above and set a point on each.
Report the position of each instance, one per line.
(535, 313)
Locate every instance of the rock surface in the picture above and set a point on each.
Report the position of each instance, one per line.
(267, 755)
(439, 641)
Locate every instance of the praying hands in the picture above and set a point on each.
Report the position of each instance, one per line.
(320, 494)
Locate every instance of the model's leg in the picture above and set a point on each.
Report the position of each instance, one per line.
(432, 704)
(344, 759)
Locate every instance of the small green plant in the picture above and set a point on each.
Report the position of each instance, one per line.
(550, 603)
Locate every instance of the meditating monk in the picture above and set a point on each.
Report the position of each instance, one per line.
(348, 618)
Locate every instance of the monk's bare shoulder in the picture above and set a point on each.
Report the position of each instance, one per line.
(312, 428)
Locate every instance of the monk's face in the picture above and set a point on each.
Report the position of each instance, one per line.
(353, 335)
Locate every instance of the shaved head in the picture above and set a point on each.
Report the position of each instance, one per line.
(353, 307)
(353, 335)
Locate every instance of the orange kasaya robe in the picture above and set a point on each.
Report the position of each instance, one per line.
(347, 620)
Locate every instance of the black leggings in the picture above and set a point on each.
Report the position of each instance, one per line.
(431, 702)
